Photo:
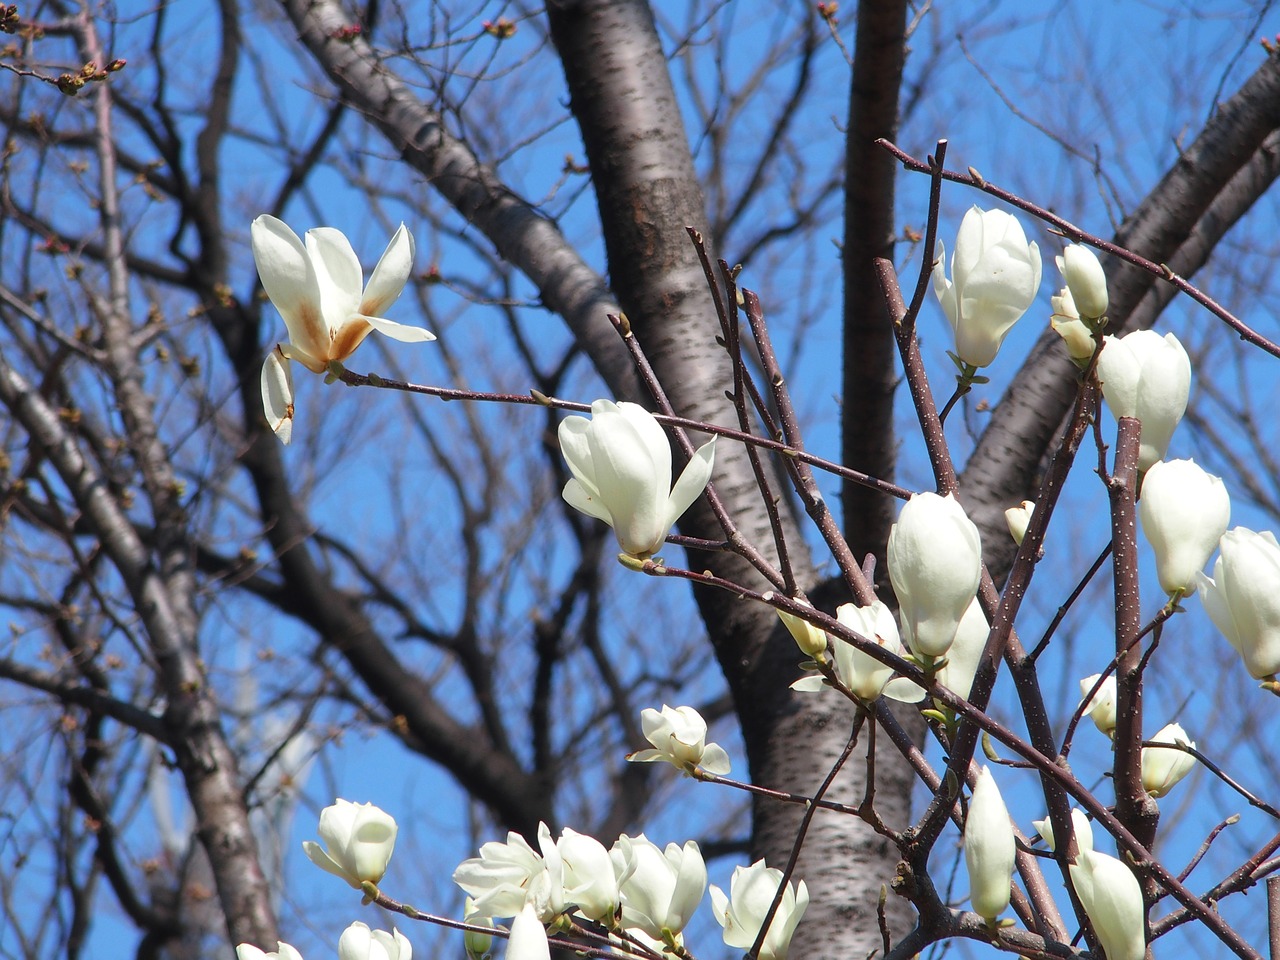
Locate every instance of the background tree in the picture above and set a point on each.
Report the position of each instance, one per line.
(405, 571)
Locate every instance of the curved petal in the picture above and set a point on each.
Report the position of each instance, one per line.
(971, 241)
(317, 855)
(1119, 371)
(398, 331)
(576, 496)
(277, 394)
(390, 275)
(715, 760)
(289, 278)
(903, 691)
(338, 272)
(574, 434)
(693, 480)
(943, 288)
(528, 937)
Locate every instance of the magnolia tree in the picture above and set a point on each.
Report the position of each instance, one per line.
(944, 651)
(222, 575)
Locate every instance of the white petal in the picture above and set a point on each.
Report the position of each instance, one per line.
(693, 480)
(338, 271)
(290, 280)
(528, 937)
(903, 691)
(574, 435)
(399, 331)
(576, 496)
(390, 275)
(277, 394)
(715, 760)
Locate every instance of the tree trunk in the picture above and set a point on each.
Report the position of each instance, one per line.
(648, 193)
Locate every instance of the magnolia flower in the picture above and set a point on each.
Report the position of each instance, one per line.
(247, 951)
(1102, 706)
(528, 939)
(590, 883)
(811, 640)
(1184, 512)
(660, 888)
(358, 942)
(328, 310)
(1067, 324)
(358, 840)
(1018, 518)
(989, 848)
(864, 675)
(1086, 281)
(995, 274)
(1147, 376)
(935, 564)
(1080, 826)
(742, 912)
(1112, 899)
(1162, 767)
(1243, 598)
(679, 735)
(499, 879)
(621, 466)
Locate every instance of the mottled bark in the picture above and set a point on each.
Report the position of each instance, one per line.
(1230, 163)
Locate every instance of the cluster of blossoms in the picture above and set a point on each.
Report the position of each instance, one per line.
(621, 465)
(1184, 510)
(634, 889)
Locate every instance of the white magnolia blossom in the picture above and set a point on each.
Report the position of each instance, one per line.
(1080, 826)
(1162, 767)
(989, 848)
(742, 912)
(528, 939)
(934, 555)
(283, 951)
(1147, 376)
(864, 675)
(1101, 709)
(679, 737)
(1019, 518)
(1112, 899)
(1066, 323)
(319, 289)
(661, 889)
(621, 465)
(590, 883)
(995, 274)
(358, 840)
(1184, 512)
(1086, 281)
(358, 942)
(811, 640)
(1243, 598)
(500, 878)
